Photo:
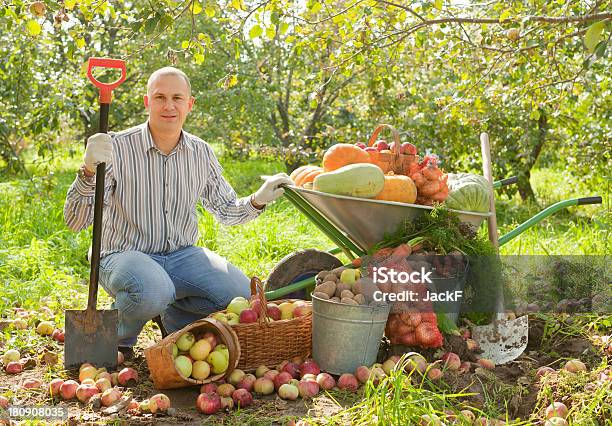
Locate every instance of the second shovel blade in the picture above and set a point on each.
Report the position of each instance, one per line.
(91, 336)
(502, 341)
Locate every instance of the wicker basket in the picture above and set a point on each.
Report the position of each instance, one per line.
(161, 364)
(268, 342)
(392, 161)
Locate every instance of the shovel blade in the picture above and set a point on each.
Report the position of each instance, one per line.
(502, 341)
(90, 336)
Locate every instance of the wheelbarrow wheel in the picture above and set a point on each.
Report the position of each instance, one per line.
(298, 266)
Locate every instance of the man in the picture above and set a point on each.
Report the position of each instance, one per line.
(156, 173)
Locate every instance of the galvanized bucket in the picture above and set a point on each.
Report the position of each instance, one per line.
(346, 336)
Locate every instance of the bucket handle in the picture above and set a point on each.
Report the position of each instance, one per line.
(257, 291)
(394, 132)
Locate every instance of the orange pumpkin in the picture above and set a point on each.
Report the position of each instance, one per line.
(301, 172)
(398, 188)
(297, 171)
(343, 154)
(309, 176)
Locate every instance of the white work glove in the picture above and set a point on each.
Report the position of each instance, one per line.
(271, 189)
(99, 150)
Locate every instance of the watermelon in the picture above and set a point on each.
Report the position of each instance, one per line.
(468, 192)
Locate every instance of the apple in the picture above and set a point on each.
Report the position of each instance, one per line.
(45, 328)
(143, 407)
(434, 373)
(308, 388)
(4, 402)
(309, 376)
(57, 335)
(348, 382)
(465, 367)
(556, 409)
(360, 145)
(247, 382)
(370, 149)
(84, 365)
(185, 341)
(309, 367)
(376, 374)
(32, 383)
(286, 309)
(86, 391)
(89, 381)
(218, 362)
(542, 371)
(281, 379)
(200, 350)
(362, 373)
(325, 381)
(408, 149)
(200, 370)
(486, 363)
(115, 379)
(223, 349)
(68, 389)
(556, 421)
(89, 372)
(159, 403)
(381, 145)
(104, 375)
(127, 377)
(513, 34)
(208, 403)
(54, 387)
(175, 350)
(256, 306)
(248, 316)
(211, 338)
(388, 366)
(232, 318)
(103, 384)
(10, 355)
(209, 388)
(271, 374)
(273, 311)
(226, 389)
(110, 396)
(288, 391)
(416, 362)
(261, 370)
(242, 398)
(133, 405)
(236, 376)
(472, 345)
(237, 305)
(430, 420)
(219, 316)
(19, 324)
(227, 403)
(14, 367)
(292, 369)
(348, 276)
(451, 361)
(263, 386)
(183, 365)
(468, 415)
(573, 366)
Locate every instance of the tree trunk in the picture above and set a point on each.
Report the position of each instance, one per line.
(524, 185)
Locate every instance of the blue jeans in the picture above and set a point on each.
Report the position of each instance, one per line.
(182, 287)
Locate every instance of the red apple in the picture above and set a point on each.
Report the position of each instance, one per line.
(212, 339)
(308, 388)
(84, 392)
(362, 373)
(371, 149)
(242, 398)
(248, 316)
(302, 310)
(208, 403)
(348, 382)
(57, 335)
(556, 409)
(434, 374)
(54, 387)
(159, 403)
(110, 396)
(14, 367)
(573, 366)
(103, 384)
(292, 369)
(281, 379)
(256, 306)
(274, 311)
(247, 382)
(325, 381)
(4, 402)
(133, 405)
(271, 374)
(288, 391)
(227, 403)
(32, 383)
(408, 149)
(208, 388)
(127, 377)
(486, 363)
(264, 386)
(88, 372)
(68, 389)
(542, 371)
(381, 145)
(360, 145)
(309, 367)
(226, 389)
(451, 361)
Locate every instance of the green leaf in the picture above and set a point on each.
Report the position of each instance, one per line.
(166, 20)
(591, 38)
(535, 114)
(255, 31)
(283, 27)
(150, 24)
(315, 7)
(33, 27)
(198, 58)
(80, 42)
(438, 4)
(196, 8)
(210, 11)
(600, 51)
(505, 15)
(184, 44)
(69, 4)
(237, 4)
(270, 32)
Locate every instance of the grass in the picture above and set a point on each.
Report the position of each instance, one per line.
(43, 263)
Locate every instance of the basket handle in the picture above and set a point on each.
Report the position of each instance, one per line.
(394, 132)
(257, 290)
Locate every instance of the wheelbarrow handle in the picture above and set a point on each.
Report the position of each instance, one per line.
(106, 90)
(589, 200)
(505, 182)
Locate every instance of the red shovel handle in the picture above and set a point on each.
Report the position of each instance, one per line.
(106, 89)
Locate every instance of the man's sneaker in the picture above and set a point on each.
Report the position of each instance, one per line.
(157, 320)
(128, 352)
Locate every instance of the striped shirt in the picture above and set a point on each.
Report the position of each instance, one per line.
(150, 198)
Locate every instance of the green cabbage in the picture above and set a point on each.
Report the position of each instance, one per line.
(468, 192)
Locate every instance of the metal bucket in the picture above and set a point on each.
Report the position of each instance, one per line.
(346, 336)
(451, 284)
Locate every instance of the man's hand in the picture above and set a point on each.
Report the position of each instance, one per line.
(99, 150)
(271, 189)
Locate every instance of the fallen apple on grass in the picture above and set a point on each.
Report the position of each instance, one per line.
(556, 421)
(68, 389)
(127, 377)
(556, 409)
(88, 382)
(348, 382)
(261, 370)
(242, 398)
(326, 381)
(10, 355)
(288, 391)
(263, 386)
(208, 403)
(14, 367)
(110, 396)
(19, 324)
(451, 361)
(292, 369)
(209, 388)
(159, 403)
(88, 372)
(247, 382)
(54, 387)
(32, 383)
(281, 379)
(86, 391)
(574, 366)
(309, 367)
(57, 335)
(227, 403)
(103, 384)
(226, 389)
(308, 388)
(45, 328)
(4, 402)
(362, 373)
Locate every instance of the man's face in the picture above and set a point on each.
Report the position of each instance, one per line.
(168, 102)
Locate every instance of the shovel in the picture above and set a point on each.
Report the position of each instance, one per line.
(91, 335)
(503, 340)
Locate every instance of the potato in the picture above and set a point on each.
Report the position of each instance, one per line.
(330, 277)
(360, 298)
(340, 287)
(322, 275)
(348, 301)
(335, 299)
(327, 287)
(346, 293)
(321, 295)
(338, 270)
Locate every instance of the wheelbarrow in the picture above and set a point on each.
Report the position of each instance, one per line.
(355, 225)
